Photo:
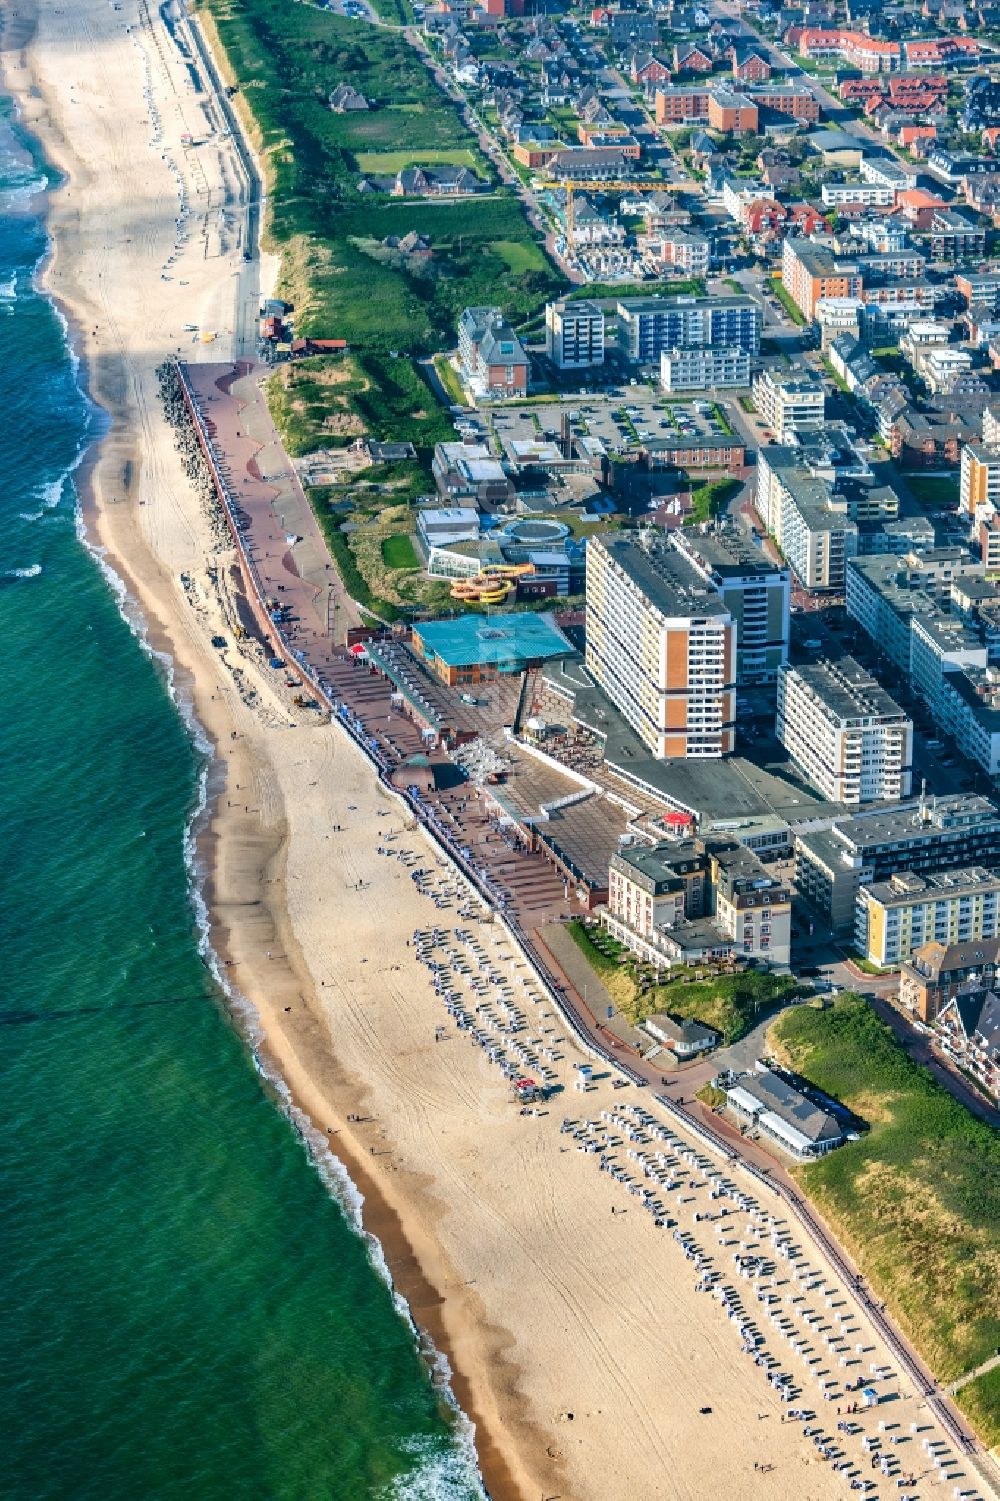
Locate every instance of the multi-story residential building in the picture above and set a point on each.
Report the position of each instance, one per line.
(953, 237)
(854, 742)
(895, 917)
(810, 271)
(870, 194)
(690, 899)
(972, 714)
(888, 171)
(878, 266)
(831, 865)
(702, 369)
(662, 646)
(886, 594)
(979, 481)
(679, 105)
(952, 167)
(980, 288)
(788, 400)
(838, 315)
(649, 325)
(941, 368)
(861, 51)
(816, 535)
(969, 1030)
(936, 972)
(574, 333)
(491, 355)
(688, 252)
(651, 887)
(749, 903)
(792, 99)
(755, 590)
(729, 112)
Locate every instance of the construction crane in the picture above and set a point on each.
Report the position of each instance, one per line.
(573, 185)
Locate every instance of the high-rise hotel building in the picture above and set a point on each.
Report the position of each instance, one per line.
(662, 645)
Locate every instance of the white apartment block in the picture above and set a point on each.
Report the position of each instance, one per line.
(871, 194)
(939, 646)
(755, 591)
(896, 916)
(688, 252)
(574, 334)
(853, 742)
(662, 645)
(704, 369)
(786, 401)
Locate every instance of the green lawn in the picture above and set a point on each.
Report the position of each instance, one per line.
(519, 255)
(398, 552)
(933, 491)
(709, 501)
(916, 1201)
(387, 163)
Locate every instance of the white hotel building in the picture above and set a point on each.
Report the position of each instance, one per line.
(853, 742)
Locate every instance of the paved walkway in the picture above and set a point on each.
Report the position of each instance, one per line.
(981, 1370)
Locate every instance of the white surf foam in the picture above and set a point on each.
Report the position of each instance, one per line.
(438, 1475)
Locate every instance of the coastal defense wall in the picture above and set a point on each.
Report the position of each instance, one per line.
(256, 592)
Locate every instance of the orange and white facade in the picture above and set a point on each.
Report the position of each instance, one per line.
(979, 484)
(662, 645)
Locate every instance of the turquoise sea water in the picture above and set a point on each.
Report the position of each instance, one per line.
(186, 1309)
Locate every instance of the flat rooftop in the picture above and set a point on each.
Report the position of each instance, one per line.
(504, 641)
(728, 554)
(727, 796)
(668, 580)
(846, 690)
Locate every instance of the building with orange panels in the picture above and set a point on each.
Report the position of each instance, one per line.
(786, 99)
(677, 105)
(810, 271)
(728, 112)
(865, 53)
(662, 645)
(979, 484)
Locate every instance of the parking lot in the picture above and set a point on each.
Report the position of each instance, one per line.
(621, 419)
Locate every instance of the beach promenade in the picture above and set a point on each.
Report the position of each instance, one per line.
(258, 501)
(581, 1347)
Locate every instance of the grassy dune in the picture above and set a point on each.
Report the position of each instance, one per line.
(917, 1199)
(286, 60)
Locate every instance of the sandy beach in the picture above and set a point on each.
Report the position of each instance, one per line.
(581, 1348)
